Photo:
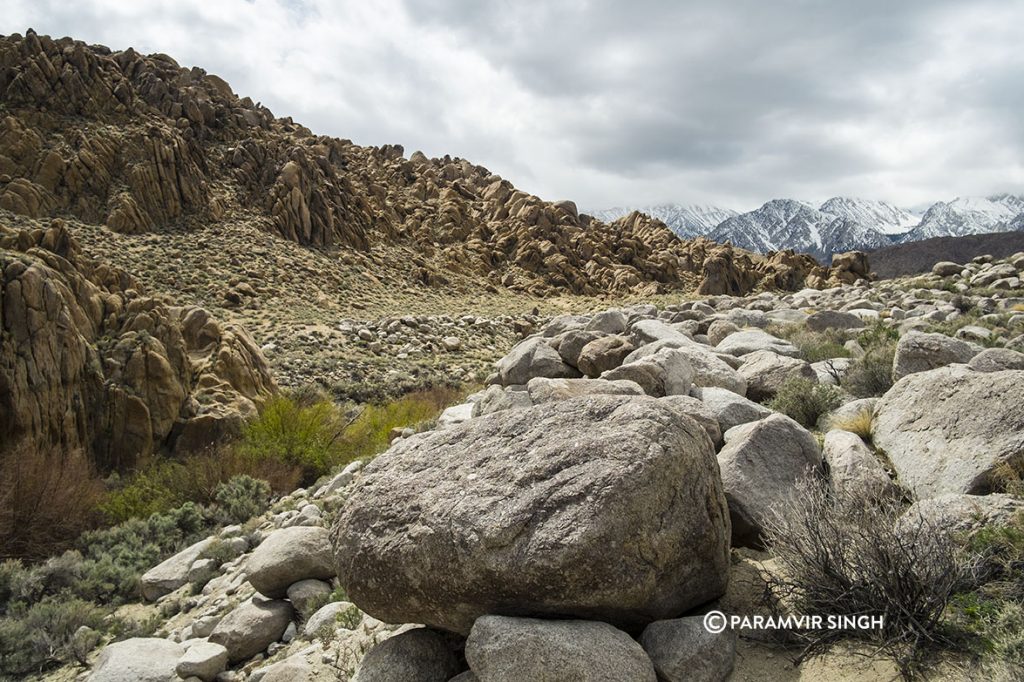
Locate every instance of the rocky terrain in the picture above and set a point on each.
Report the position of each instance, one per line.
(913, 258)
(614, 482)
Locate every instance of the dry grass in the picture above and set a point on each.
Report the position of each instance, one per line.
(859, 423)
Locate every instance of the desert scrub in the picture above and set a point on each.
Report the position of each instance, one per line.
(839, 555)
(871, 375)
(813, 346)
(805, 400)
(43, 634)
(241, 498)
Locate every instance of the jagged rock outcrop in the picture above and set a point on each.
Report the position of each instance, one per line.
(138, 143)
(87, 362)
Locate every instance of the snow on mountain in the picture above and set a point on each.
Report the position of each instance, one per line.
(968, 215)
(686, 220)
(878, 215)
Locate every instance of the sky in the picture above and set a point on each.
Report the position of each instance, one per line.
(612, 103)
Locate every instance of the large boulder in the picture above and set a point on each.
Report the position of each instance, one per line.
(572, 342)
(996, 360)
(697, 411)
(683, 650)
(920, 352)
(961, 514)
(603, 354)
(502, 649)
(289, 555)
(708, 368)
(730, 408)
(172, 573)
(766, 371)
(667, 372)
(498, 398)
(251, 627)
(950, 429)
(761, 463)
(419, 655)
(542, 390)
(753, 340)
(533, 357)
(833, 319)
(204, 660)
(517, 513)
(855, 469)
(139, 659)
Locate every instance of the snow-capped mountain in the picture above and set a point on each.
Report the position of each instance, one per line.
(790, 224)
(878, 215)
(686, 220)
(968, 215)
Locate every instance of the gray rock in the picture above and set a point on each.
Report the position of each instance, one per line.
(956, 513)
(572, 342)
(609, 322)
(667, 372)
(530, 501)
(340, 480)
(920, 352)
(533, 358)
(498, 398)
(760, 464)
(543, 390)
(708, 368)
(502, 649)
(719, 329)
(833, 319)
(996, 360)
(455, 414)
(854, 468)
(729, 408)
(325, 615)
(649, 331)
(765, 372)
(172, 573)
(831, 371)
(753, 340)
(307, 595)
(946, 268)
(287, 556)
(251, 627)
(295, 668)
(683, 650)
(420, 655)
(699, 412)
(140, 659)
(203, 660)
(604, 354)
(948, 430)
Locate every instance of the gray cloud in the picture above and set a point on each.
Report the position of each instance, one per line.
(608, 102)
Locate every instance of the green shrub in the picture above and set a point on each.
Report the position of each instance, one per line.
(871, 375)
(370, 432)
(43, 634)
(302, 436)
(242, 498)
(805, 401)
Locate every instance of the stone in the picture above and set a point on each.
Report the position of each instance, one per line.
(498, 398)
(765, 372)
(172, 573)
(946, 268)
(531, 501)
(533, 358)
(831, 371)
(251, 627)
(609, 322)
(203, 660)
(729, 408)
(603, 354)
(760, 464)
(419, 655)
(295, 668)
(719, 329)
(959, 514)
(697, 411)
(542, 390)
(139, 659)
(949, 430)
(451, 343)
(667, 372)
(503, 649)
(649, 331)
(305, 595)
(852, 467)
(996, 360)
(325, 615)
(287, 556)
(571, 343)
(709, 369)
(919, 352)
(683, 650)
(753, 340)
(455, 414)
(860, 410)
(833, 319)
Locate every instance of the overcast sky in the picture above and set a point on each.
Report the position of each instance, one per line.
(623, 102)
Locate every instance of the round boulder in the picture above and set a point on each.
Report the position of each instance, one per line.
(289, 555)
(518, 512)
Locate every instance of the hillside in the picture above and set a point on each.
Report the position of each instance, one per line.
(917, 257)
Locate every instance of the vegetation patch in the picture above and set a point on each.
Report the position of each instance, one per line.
(805, 401)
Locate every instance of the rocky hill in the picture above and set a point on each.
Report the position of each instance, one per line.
(913, 258)
(686, 220)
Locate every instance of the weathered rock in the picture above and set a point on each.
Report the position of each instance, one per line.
(572, 342)
(754, 340)
(609, 322)
(719, 329)
(295, 668)
(683, 650)
(765, 372)
(502, 649)
(950, 429)
(833, 319)
(287, 556)
(324, 616)
(946, 269)
(455, 414)
(854, 468)
(604, 354)
(960, 514)
(204, 660)
(172, 573)
(530, 501)
(419, 655)
(708, 368)
(533, 358)
(729, 408)
(996, 360)
(251, 627)
(920, 352)
(760, 464)
(543, 390)
(699, 412)
(667, 372)
(497, 398)
(140, 659)
(308, 594)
